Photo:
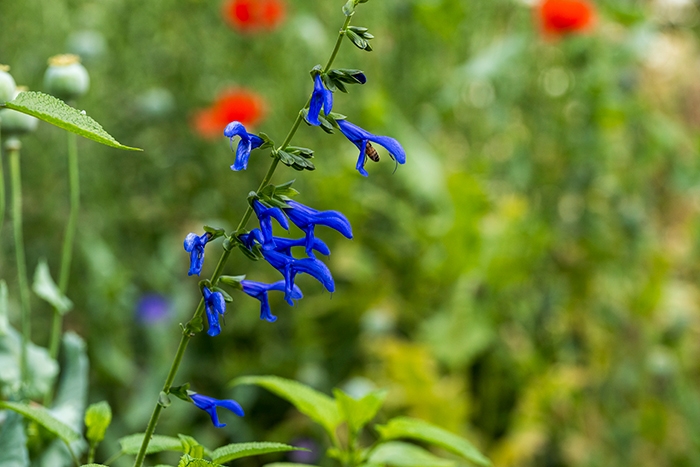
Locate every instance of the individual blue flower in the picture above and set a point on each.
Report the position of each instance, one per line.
(194, 245)
(209, 405)
(251, 237)
(247, 143)
(307, 219)
(265, 216)
(362, 138)
(321, 97)
(214, 305)
(259, 290)
(284, 245)
(290, 267)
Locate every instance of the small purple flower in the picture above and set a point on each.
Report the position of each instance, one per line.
(265, 216)
(320, 97)
(247, 143)
(290, 267)
(361, 138)
(259, 290)
(307, 219)
(152, 308)
(209, 405)
(194, 245)
(214, 305)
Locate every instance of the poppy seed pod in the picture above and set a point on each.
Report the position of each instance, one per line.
(66, 78)
(7, 84)
(13, 123)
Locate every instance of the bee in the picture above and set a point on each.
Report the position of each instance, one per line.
(371, 152)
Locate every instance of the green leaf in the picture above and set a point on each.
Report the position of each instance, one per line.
(358, 412)
(192, 447)
(317, 406)
(189, 461)
(237, 450)
(412, 428)
(13, 442)
(42, 368)
(46, 289)
(97, 418)
(132, 444)
(57, 112)
(42, 416)
(398, 454)
(93, 465)
(71, 395)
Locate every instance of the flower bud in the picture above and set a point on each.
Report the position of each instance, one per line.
(66, 78)
(7, 84)
(13, 123)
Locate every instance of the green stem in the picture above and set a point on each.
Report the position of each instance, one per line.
(68, 242)
(187, 335)
(13, 147)
(91, 454)
(2, 186)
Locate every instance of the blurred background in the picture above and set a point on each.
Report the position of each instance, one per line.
(528, 279)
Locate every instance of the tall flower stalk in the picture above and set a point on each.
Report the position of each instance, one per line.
(194, 325)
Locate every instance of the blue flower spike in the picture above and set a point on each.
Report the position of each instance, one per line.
(307, 219)
(290, 267)
(214, 305)
(321, 97)
(259, 290)
(194, 245)
(363, 139)
(209, 405)
(265, 216)
(247, 143)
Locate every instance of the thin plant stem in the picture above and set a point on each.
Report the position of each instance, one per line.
(186, 334)
(13, 147)
(2, 185)
(68, 243)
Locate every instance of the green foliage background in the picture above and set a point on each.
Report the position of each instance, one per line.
(529, 278)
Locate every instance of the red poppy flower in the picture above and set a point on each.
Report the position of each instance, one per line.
(234, 104)
(254, 15)
(559, 17)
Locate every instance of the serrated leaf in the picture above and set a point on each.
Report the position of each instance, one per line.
(46, 289)
(358, 412)
(132, 444)
(237, 450)
(13, 442)
(44, 418)
(98, 416)
(189, 461)
(57, 112)
(317, 406)
(412, 428)
(193, 447)
(398, 454)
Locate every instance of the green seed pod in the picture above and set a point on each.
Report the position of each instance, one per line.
(7, 84)
(66, 78)
(13, 123)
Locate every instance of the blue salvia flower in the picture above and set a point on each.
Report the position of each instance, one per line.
(362, 138)
(284, 245)
(265, 216)
(247, 143)
(209, 405)
(194, 245)
(214, 305)
(259, 290)
(321, 97)
(307, 219)
(290, 267)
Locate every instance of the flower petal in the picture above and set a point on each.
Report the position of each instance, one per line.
(393, 146)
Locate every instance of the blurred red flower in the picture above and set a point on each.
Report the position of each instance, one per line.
(254, 15)
(234, 104)
(559, 17)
